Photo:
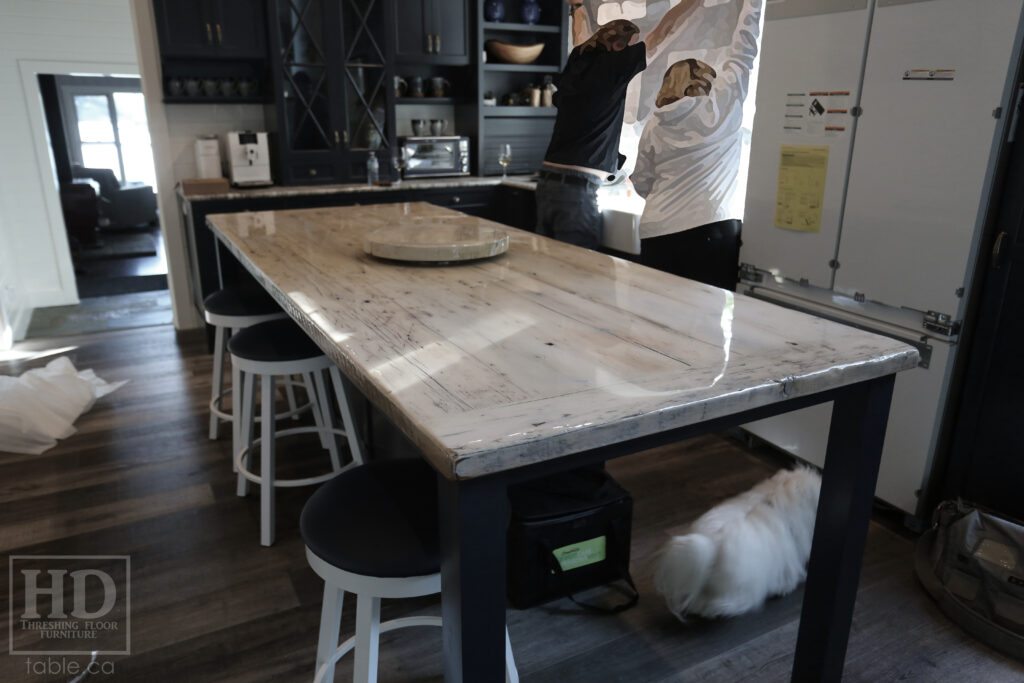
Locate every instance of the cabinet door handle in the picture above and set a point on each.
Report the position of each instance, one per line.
(220, 36)
(337, 138)
(344, 136)
(312, 171)
(437, 42)
(209, 35)
(456, 199)
(430, 42)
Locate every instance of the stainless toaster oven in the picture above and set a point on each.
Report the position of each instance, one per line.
(436, 156)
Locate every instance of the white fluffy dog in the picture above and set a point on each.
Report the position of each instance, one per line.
(743, 550)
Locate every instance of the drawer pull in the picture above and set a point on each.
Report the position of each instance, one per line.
(312, 171)
(456, 199)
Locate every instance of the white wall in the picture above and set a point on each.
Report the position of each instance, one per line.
(57, 36)
(36, 262)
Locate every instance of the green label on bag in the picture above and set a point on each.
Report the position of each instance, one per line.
(580, 554)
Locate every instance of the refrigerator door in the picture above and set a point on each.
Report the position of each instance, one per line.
(910, 437)
(800, 55)
(917, 187)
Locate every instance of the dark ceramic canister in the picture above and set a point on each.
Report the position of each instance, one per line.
(494, 10)
(530, 12)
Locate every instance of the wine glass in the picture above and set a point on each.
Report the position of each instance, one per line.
(505, 158)
(399, 159)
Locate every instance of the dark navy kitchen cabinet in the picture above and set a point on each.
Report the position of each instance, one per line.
(221, 29)
(432, 32)
(333, 88)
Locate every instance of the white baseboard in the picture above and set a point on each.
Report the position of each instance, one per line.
(19, 324)
(54, 297)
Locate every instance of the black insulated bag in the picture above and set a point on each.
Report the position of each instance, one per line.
(569, 532)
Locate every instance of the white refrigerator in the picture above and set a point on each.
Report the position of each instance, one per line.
(877, 128)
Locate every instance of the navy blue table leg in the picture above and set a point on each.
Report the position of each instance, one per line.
(854, 450)
(473, 519)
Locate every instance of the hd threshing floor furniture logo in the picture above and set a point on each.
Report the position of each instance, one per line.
(69, 604)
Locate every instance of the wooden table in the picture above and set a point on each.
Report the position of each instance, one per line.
(550, 357)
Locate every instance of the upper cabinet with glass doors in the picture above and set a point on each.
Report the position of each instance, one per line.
(330, 73)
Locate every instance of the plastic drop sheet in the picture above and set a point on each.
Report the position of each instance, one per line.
(42, 405)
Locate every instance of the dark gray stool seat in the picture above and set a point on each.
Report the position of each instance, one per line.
(372, 531)
(241, 300)
(229, 310)
(376, 520)
(273, 341)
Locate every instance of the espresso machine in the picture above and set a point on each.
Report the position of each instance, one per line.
(248, 158)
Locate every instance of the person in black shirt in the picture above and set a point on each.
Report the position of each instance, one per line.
(591, 101)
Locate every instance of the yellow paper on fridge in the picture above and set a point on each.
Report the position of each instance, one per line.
(801, 191)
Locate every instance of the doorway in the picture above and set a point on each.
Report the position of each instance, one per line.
(103, 167)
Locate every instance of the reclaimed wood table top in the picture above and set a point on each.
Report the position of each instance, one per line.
(544, 351)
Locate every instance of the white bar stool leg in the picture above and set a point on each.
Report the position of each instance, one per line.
(316, 407)
(267, 448)
(346, 417)
(237, 410)
(327, 420)
(367, 638)
(218, 380)
(511, 672)
(290, 393)
(330, 628)
(246, 427)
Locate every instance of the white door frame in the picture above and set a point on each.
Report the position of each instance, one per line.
(66, 291)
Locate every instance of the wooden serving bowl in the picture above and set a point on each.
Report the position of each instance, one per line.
(507, 53)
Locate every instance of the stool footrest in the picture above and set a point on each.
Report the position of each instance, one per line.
(287, 483)
(385, 626)
(226, 416)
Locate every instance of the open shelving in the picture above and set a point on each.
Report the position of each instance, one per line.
(523, 28)
(527, 68)
(526, 129)
(505, 110)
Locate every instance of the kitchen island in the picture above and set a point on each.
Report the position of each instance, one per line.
(549, 357)
(509, 200)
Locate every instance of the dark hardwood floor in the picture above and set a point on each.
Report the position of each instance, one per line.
(140, 477)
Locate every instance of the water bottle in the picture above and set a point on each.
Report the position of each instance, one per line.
(372, 169)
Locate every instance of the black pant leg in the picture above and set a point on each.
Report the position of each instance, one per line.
(708, 253)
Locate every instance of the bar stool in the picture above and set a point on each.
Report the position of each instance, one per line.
(229, 310)
(373, 531)
(271, 350)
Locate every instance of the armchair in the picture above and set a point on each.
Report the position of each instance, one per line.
(120, 205)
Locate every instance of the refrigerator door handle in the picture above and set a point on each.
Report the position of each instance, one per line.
(996, 248)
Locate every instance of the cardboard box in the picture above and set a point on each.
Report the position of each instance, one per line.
(200, 186)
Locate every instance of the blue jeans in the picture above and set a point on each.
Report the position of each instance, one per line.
(568, 211)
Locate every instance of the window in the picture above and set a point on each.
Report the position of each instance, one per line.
(105, 123)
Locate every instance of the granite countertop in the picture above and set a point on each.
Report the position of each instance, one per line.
(524, 182)
(544, 351)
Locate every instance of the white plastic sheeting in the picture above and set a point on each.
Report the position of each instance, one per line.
(42, 405)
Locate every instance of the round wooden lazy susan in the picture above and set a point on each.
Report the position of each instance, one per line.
(437, 242)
